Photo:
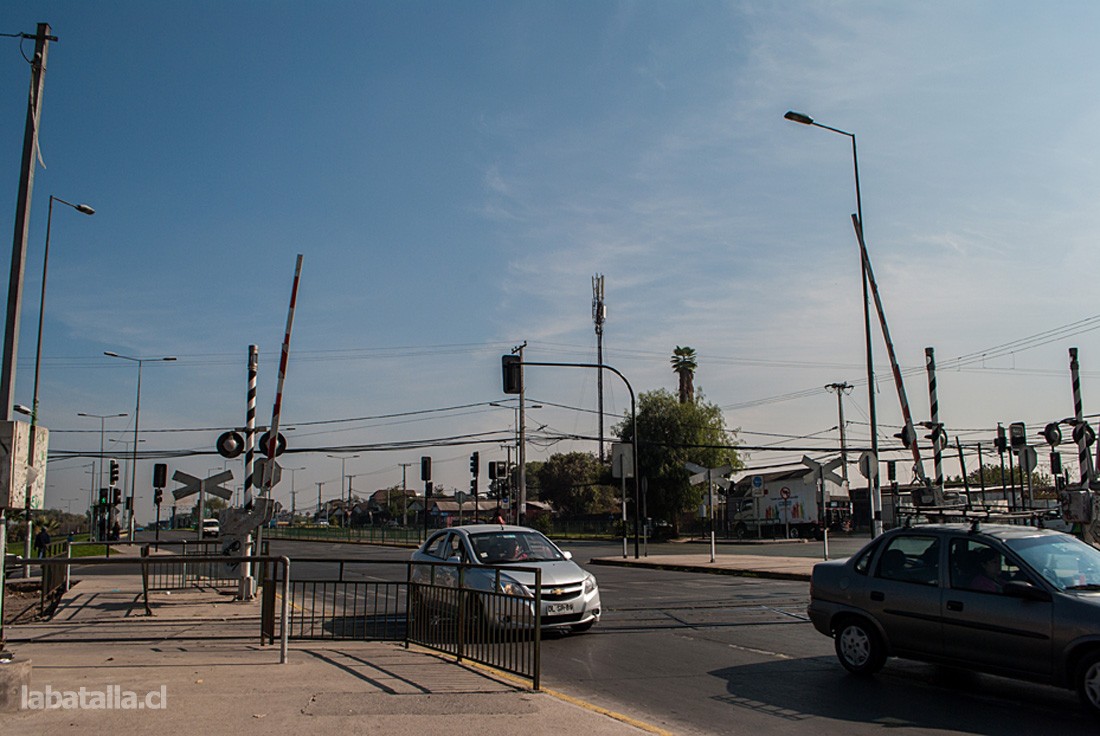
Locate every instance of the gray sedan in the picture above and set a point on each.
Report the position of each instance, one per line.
(498, 560)
(1009, 600)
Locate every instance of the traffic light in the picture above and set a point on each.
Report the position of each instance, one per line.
(1001, 442)
(104, 496)
(475, 464)
(425, 468)
(158, 496)
(114, 472)
(1055, 464)
(160, 475)
(1017, 435)
(512, 370)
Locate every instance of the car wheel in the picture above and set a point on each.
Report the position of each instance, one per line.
(741, 531)
(794, 533)
(1088, 682)
(858, 647)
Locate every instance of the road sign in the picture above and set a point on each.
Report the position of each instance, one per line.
(1028, 459)
(209, 485)
(825, 469)
(622, 460)
(868, 465)
(715, 475)
(259, 470)
(758, 481)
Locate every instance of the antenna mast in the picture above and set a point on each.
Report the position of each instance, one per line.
(599, 314)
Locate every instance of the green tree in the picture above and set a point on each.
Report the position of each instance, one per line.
(671, 433)
(1041, 483)
(684, 365)
(572, 483)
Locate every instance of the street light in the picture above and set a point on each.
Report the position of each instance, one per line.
(83, 209)
(137, 418)
(102, 426)
(343, 460)
(876, 492)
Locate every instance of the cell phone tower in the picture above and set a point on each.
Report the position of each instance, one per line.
(599, 315)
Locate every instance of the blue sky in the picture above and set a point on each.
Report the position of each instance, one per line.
(455, 173)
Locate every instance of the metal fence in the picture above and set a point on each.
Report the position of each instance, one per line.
(280, 567)
(431, 605)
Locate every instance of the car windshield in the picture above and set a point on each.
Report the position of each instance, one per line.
(1064, 561)
(494, 548)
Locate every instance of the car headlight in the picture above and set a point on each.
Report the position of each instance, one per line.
(589, 584)
(510, 587)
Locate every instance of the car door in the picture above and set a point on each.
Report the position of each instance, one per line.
(986, 629)
(904, 592)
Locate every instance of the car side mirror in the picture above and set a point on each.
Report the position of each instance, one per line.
(1026, 591)
(567, 554)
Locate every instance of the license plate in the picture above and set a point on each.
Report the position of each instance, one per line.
(554, 608)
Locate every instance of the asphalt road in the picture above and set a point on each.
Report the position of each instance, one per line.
(697, 653)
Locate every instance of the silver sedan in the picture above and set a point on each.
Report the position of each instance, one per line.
(499, 560)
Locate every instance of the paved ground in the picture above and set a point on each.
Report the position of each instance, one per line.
(199, 656)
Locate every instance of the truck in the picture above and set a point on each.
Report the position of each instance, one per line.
(785, 504)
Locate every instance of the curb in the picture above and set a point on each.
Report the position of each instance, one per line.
(770, 574)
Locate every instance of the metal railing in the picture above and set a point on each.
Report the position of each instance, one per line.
(434, 605)
(396, 536)
(279, 565)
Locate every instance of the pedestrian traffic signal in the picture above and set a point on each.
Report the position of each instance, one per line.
(116, 496)
(473, 486)
(1000, 442)
(475, 464)
(158, 496)
(104, 496)
(114, 472)
(512, 370)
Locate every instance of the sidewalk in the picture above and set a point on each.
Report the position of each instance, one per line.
(225, 682)
(725, 563)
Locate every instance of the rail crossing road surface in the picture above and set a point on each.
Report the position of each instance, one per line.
(700, 653)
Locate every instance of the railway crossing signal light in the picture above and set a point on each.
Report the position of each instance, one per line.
(906, 435)
(1052, 433)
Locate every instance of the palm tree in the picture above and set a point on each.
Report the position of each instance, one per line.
(684, 365)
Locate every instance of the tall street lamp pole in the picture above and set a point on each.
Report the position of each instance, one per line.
(876, 491)
(86, 210)
(343, 460)
(137, 418)
(102, 429)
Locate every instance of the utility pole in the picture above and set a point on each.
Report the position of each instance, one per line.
(320, 484)
(841, 389)
(18, 258)
(521, 451)
(599, 314)
(404, 494)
